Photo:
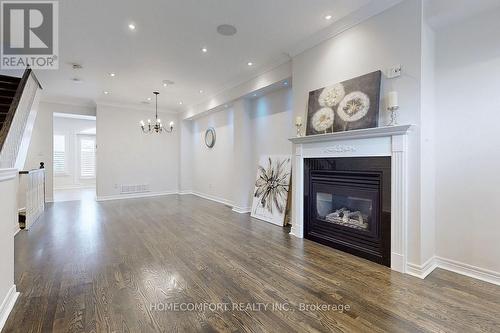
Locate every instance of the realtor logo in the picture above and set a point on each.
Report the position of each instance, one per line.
(29, 34)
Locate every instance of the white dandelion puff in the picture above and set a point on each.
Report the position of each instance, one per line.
(323, 119)
(331, 96)
(354, 106)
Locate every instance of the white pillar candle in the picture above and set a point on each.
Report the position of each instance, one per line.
(298, 121)
(392, 99)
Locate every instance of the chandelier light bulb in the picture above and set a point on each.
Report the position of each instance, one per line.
(158, 120)
(149, 121)
(171, 124)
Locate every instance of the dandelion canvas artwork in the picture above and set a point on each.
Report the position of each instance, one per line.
(348, 105)
(271, 189)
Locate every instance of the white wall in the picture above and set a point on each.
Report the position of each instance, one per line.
(126, 156)
(467, 141)
(213, 167)
(427, 147)
(72, 129)
(41, 144)
(245, 130)
(8, 215)
(390, 38)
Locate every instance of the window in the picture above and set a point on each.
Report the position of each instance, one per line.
(87, 157)
(59, 154)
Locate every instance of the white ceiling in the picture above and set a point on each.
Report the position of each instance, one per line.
(167, 45)
(442, 13)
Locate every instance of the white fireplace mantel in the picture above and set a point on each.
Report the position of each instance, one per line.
(379, 141)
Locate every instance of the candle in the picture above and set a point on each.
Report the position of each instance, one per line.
(392, 99)
(298, 121)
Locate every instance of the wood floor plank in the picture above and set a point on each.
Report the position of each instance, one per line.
(114, 266)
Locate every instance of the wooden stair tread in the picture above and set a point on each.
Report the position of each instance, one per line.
(10, 78)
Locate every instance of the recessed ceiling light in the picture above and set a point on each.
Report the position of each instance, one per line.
(149, 98)
(328, 17)
(112, 74)
(131, 26)
(250, 63)
(180, 103)
(201, 91)
(167, 83)
(204, 50)
(106, 92)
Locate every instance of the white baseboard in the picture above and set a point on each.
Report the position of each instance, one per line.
(185, 192)
(213, 198)
(75, 187)
(134, 195)
(242, 210)
(421, 271)
(469, 270)
(7, 305)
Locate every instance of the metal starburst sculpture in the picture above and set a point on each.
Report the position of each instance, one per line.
(272, 184)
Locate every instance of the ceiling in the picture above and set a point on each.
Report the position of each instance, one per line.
(167, 43)
(442, 13)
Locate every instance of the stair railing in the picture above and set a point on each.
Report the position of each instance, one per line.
(13, 130)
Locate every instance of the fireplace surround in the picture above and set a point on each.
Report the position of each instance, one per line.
(390, 142)
(347, 205)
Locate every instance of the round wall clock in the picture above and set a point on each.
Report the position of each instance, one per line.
(210, 137)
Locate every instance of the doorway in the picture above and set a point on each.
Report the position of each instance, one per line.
(74, 157)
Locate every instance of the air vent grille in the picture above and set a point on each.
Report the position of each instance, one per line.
(141, 188)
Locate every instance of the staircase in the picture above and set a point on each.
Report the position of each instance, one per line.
(18, 107)
(8, 88)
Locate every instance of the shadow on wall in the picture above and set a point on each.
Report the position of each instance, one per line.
(276, 102)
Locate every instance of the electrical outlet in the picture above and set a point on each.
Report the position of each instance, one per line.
(393, 72)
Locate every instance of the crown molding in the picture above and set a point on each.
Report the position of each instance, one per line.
(135, 107)
(261, 81)
(373, 8)
(68, 100)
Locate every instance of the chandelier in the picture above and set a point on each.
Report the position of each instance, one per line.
(157, 126)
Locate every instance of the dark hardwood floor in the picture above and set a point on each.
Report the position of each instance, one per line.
(118, 266)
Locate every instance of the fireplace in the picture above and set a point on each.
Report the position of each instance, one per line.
(347, 205)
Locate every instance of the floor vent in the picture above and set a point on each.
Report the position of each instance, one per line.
(127, 189)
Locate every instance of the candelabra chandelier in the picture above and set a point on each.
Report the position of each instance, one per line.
(157, 126)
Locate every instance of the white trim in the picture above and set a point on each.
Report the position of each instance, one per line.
(379, 141)
(134, 195)
(135, 107)
(242, 210)
(468, 270)
(375, 132)
(71, 101)
(73, 116)
(75, 187)
(8, 305)
(213, 198)
(421, 271)
(364, 13)
(6, 174)
(186, 192)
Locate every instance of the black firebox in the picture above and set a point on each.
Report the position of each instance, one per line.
(347, 205)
